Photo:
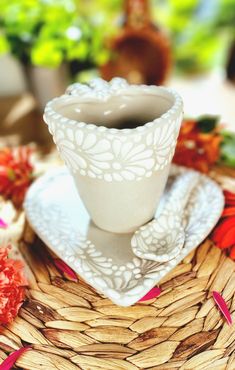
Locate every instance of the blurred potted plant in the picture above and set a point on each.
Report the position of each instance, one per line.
(44, 35)
(101, 20)
(13, 82)
(225, 22)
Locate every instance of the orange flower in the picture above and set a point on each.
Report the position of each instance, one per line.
(224, 233)
(197, 149)
(15, 173)
(12, 286)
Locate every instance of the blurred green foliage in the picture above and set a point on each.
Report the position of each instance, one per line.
(200, 30)
(228, 148)
(48, 32)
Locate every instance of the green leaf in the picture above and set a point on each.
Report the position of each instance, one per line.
(77, 50)
(4, 45)
(207, 123)
(47, 54)
(228, 148)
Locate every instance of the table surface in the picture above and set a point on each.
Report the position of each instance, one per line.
(71, 326)
(208, 94)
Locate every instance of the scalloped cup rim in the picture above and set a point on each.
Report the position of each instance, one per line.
(50, 111)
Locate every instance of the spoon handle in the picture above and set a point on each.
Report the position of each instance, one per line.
(180, 192)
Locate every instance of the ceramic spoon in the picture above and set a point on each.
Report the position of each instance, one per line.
(162, 238)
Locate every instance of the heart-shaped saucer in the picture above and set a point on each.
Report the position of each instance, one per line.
(106, 260)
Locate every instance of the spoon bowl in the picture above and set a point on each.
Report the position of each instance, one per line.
(160, 240)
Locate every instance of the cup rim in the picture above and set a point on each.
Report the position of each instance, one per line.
(50, 111)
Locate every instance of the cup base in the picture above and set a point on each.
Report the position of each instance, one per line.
(130, 230)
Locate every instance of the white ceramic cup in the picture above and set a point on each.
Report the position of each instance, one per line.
(120, 172)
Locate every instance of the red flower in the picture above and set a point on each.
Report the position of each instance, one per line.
(195, 148)
(12, 286)
(232, 253)
(15, 173)
(224, 233)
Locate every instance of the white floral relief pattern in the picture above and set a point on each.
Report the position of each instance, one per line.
(116, 159)
(83, 153)
(124, 283)
(163, 141)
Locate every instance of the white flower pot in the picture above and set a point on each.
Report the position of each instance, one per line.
(12, 77)
(47, 83)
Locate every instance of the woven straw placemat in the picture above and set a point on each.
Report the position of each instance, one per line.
(71, 326)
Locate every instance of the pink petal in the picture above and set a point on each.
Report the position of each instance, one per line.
(3, 224)
(222, 306)
(65, 269)
(153, 293)
(9, 362)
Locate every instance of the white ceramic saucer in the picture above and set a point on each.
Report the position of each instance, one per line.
(106, 260)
